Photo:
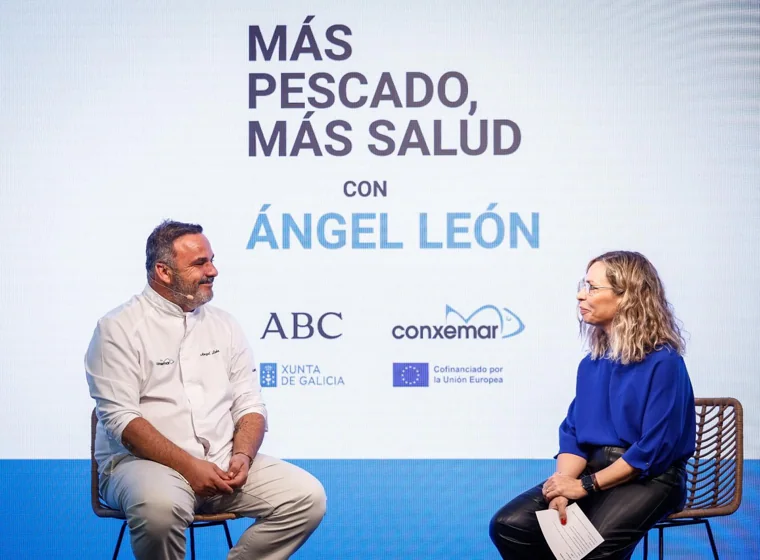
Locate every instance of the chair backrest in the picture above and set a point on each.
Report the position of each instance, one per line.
(97, 506)
(714, 472)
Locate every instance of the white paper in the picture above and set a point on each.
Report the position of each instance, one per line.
(572, 541)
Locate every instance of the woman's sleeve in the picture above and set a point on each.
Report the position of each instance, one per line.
(670, 399)
(567, 439)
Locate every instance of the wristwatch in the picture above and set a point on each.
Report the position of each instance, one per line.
(588, 484)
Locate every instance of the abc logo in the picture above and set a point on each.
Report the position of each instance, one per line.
(305, 325)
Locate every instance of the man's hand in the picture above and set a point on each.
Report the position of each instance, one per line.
(560, 504)
(206, 479)
(238, 470)
(563, 485)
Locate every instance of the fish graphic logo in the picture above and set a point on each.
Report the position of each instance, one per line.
(508, 322)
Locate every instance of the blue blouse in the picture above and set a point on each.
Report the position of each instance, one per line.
(647, 407)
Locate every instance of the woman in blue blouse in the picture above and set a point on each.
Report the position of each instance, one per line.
(631, 427)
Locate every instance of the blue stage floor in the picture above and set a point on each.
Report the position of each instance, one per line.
(393, 509)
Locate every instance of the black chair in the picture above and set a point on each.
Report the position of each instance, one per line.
(714, 472)
(102, 510)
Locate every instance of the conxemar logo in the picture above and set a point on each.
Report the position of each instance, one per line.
(487, 322)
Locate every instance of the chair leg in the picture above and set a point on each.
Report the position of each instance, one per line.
(662, 543)
(712, 540)
(646, 545)
(118, 541)
(227, 534)
(192, 542)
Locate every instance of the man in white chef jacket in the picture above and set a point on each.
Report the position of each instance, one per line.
(181, 418)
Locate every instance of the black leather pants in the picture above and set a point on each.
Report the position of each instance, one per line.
(622, 515)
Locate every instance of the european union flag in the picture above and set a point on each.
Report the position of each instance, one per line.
(407, 374)
(268, 375)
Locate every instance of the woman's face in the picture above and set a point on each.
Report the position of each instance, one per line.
(597, 302)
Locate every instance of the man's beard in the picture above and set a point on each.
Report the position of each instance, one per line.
(200, 296)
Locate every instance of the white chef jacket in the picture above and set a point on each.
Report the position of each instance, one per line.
(191, 375)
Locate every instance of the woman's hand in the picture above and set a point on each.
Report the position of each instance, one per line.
(560, 504)
(563, 485)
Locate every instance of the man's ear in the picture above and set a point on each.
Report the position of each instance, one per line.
(162, 272)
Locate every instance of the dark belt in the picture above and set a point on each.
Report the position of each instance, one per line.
(603, 456)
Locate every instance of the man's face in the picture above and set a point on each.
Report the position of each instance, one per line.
(194, 271)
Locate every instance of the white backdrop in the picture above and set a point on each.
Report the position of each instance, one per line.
(640, 130)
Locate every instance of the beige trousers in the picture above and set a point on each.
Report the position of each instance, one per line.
(287, 502)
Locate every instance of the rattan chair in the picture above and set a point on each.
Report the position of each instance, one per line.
(101, 510)
(714, 472)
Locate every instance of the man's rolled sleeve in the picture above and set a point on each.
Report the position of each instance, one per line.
(113, 376)
(246, 389)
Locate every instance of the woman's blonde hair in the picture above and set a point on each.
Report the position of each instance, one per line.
(644, 320)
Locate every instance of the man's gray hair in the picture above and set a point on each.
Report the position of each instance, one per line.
(160, 245)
